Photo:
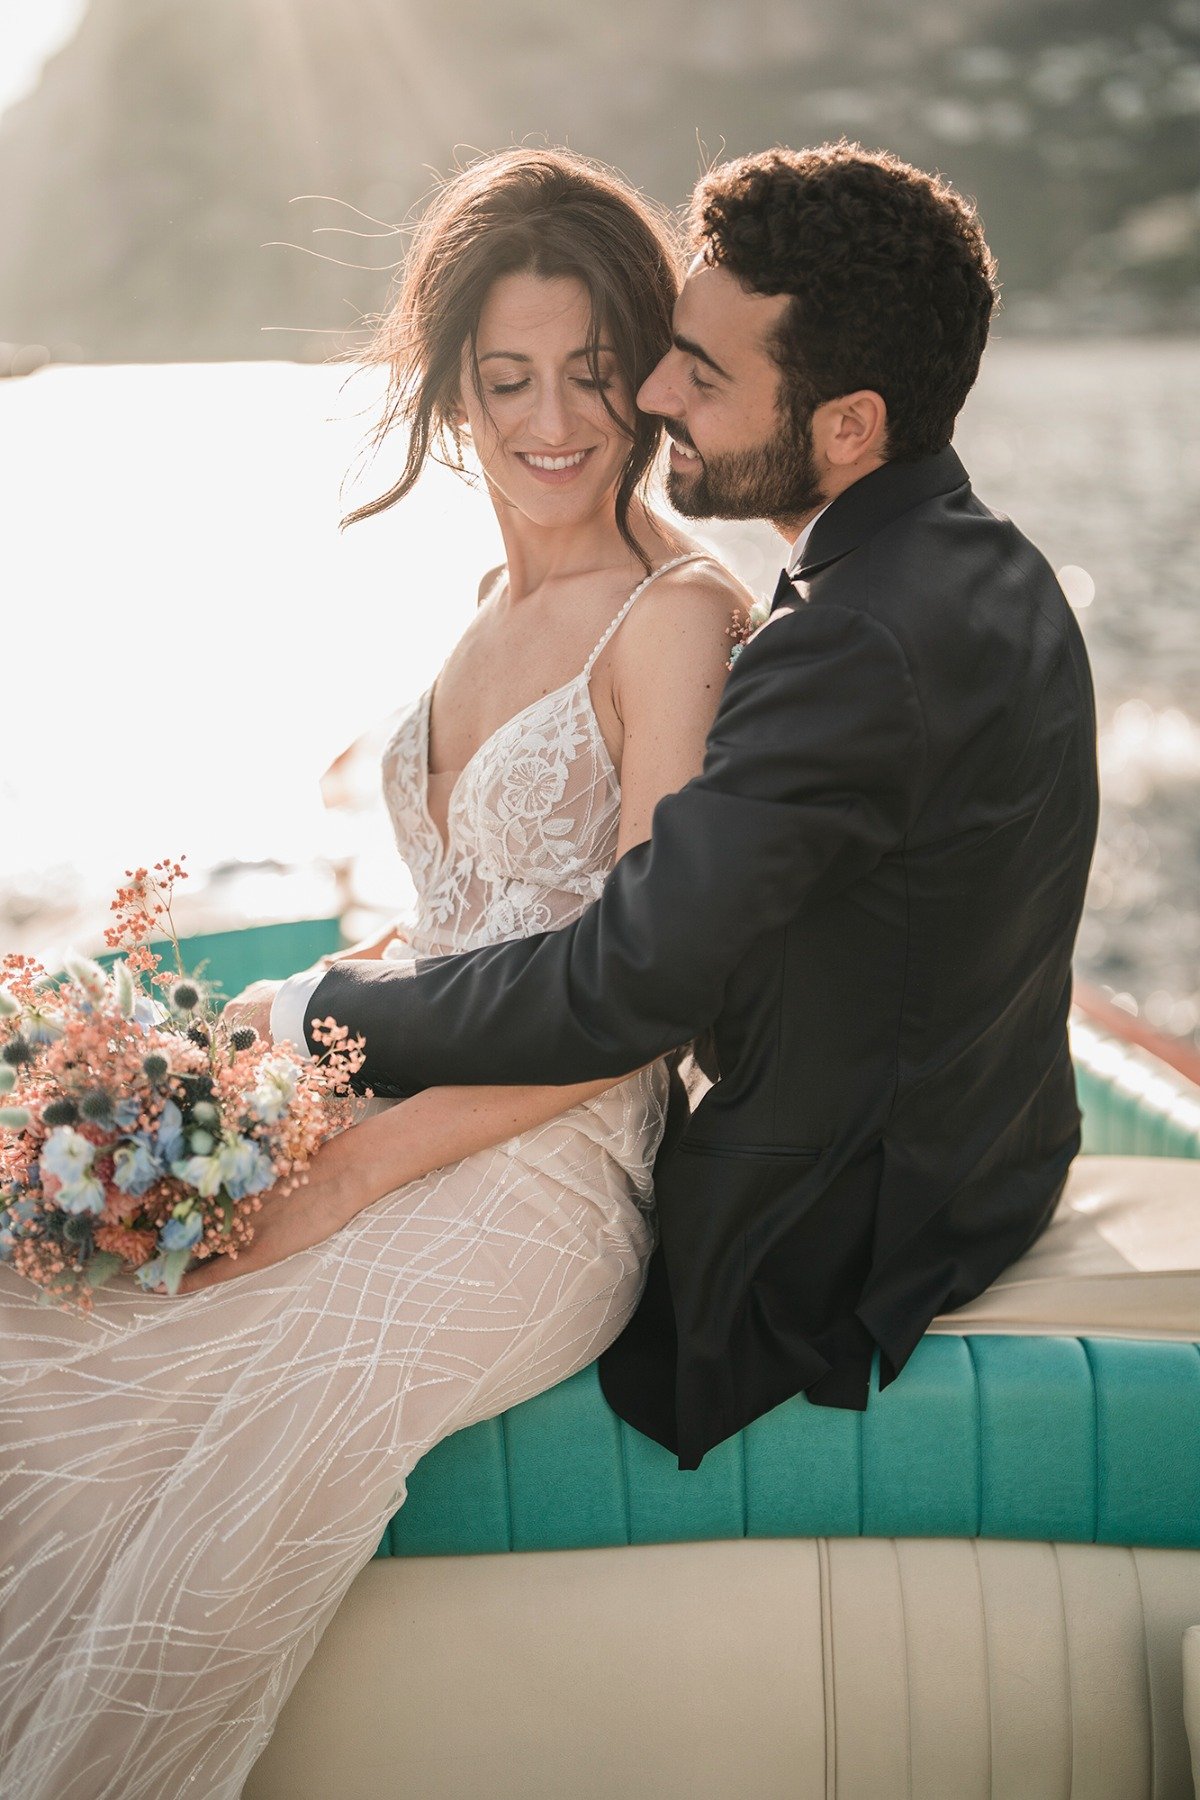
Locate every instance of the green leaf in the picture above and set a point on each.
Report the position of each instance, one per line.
(175, 1264)
(14, 1117)
(101, 1267)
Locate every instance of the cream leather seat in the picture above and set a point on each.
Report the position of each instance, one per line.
(1120, 1258)
(811, 1668)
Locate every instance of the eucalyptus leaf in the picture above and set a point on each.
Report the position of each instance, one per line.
(175, 1264)
(101, 1267)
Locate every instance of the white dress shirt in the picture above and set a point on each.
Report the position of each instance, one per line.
(796, 553)
(290, 1005)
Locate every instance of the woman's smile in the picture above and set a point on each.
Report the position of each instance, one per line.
(557, 470)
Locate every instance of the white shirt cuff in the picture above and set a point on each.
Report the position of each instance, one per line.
(290, 1005)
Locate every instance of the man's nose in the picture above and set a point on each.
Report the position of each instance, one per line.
(657, 393)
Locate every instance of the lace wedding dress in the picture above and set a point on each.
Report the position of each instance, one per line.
(189, 1484)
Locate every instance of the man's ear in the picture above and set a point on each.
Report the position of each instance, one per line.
(852, 429)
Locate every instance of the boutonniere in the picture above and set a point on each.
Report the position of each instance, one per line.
(745, 625)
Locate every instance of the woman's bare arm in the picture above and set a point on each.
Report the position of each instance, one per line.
(661, 690)
(433, 1128)
(664, 678)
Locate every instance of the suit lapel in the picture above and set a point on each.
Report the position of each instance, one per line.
(874, 502)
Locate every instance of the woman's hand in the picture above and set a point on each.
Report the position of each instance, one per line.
(252, 1007)
(286, 1224)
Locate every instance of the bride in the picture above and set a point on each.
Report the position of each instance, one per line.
(189, 1483)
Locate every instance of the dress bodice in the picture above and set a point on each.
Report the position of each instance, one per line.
(532, 819)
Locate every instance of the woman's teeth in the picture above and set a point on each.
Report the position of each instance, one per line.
(552, 462)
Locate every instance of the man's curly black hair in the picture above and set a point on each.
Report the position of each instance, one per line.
(891, 281)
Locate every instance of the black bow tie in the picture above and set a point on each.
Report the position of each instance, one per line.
(785, 591)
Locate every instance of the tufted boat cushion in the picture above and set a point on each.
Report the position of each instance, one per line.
(1064, 1404)
(793, 1669)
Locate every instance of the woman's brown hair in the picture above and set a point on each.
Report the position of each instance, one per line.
(549, 213)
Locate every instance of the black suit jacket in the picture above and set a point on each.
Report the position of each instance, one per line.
(871, 893)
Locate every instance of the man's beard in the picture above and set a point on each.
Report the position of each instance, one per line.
(775, 480)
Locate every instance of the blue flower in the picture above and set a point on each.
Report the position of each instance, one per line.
(169, 1137)
(39, 1027)
(181, 1234)
(127, 1112)
(246, 1168)
(134, 1165)
(85, 1195)
(147, 1012)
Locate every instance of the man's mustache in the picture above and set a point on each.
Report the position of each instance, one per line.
(679, 435)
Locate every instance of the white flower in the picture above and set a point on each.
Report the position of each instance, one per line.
(277, 1078)
(8, 1006)
(501, 917)
(532, 786)
(204, 1173)
(67, 1154)
(86, 1195)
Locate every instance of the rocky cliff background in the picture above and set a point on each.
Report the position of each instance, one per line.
(148, 186)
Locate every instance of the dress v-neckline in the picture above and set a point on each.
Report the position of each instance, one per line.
(584, 676)
(444, 844)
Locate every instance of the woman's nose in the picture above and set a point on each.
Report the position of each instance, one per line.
(550, 417)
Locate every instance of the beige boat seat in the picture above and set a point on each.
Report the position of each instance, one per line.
(978, 1589)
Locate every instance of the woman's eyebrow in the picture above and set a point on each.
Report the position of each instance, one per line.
(519, 356)
(690, 348)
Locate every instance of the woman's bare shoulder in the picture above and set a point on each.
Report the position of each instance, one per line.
(692, 605)
(488, 582)
(705, 580)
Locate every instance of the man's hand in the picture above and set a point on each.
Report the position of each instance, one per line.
(252, 1007)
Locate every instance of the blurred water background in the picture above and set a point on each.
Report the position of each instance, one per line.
(186, 642)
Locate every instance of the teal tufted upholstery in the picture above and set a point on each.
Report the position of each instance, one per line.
(1055, 1438)
(1070, 1439)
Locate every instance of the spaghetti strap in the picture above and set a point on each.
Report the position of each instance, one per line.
(691, 556)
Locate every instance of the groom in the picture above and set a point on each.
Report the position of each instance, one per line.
(872, 890)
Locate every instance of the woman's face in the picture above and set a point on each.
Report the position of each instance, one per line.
(545, 440)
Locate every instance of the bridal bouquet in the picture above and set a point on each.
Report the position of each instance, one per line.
(134, 1129)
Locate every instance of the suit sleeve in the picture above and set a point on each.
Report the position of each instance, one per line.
(810, 775)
